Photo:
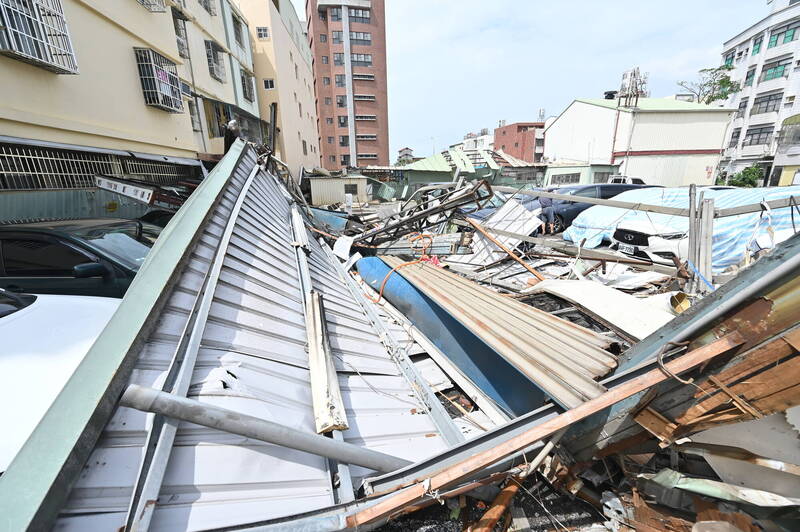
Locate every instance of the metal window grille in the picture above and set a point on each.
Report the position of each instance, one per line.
(238, 33)
(366, 117)
(154, 6)
(269, 84)
(215, 65)
(34, 167)
(563, 179)
(180, 37)
(766, 104)
(364, 97)
(742, 108)
(364, 77)
(35, 31)
(737, 133)
(160, 83)
(262, 32)
(195, 115)
(367, 155)
(366, 136)
(209, 6)
(248, 91)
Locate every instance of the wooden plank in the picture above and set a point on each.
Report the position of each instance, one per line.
(743, 405)
(450, 475)
(657, 425)
(510, 253)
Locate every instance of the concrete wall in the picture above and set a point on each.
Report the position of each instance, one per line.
(517, 140)
(285, 58)
(671, 170)
(583, 133)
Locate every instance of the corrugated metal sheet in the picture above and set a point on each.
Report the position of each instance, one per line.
(326, 191)
(562, 358)
(67, 203)
(252, 359)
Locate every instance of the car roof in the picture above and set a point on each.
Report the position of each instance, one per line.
(65, 226)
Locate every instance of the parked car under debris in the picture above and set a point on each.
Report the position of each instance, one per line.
(94, 257)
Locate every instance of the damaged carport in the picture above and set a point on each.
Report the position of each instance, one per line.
(223, 313)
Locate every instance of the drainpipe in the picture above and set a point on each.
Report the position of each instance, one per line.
(148, 399)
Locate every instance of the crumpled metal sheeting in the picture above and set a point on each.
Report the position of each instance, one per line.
(562, 358)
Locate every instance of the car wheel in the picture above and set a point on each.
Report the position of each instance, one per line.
(558, 224)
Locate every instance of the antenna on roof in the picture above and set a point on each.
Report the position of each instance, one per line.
(634, 85)
(541, 114)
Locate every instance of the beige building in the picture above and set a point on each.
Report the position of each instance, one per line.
(283, 67)
(114, 77)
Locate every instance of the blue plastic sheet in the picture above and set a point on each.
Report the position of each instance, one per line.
(732, 234)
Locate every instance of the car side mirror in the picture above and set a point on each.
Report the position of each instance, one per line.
(89, 269)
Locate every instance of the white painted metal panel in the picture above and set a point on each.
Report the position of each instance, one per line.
(582, 133)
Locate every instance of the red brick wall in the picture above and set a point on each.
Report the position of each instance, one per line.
(517, 140)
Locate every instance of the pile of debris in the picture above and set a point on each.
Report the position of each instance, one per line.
(422, 372)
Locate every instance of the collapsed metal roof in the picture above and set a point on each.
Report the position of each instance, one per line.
(219, 297)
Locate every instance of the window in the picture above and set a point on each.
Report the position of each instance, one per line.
(345, 160)
(326, 80)
(364, 77)
(742, 108)
(40, 258)
(209, 6)
(215, 65)
(323, 37)
(323, 15)
(601, 177)
(729, 59)
(336, 14)
(367, 155)
(366, 117)
(748, 79)
(305, 148)
(238, 32)
(784, 34)
(262, 32)
(757, 42)
(341, 101)
(332, 158)
(735, 137)
(364, 97)
(248, 91)
(328, 100)
(361, 59)
(361, 38)
(154, 6)
(563, 179)
(539, 142)
(336, 37)
(359, 15)
(351, 188)
(180, 35)
(342, 121)
(194, 115)
(300, 109)
(758, 135)
(160, 84)
(35, 31)
(367, 136)
(269, 84)
(344, 140)
(776, 69)
(766, 104)
(325, 60)
(330, 140)
(338, 59)
(340, 80)
(329, 120)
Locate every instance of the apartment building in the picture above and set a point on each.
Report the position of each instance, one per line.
(766, 62)
(523, 140)
(129, 87)
(283, 68)
(482, 140)
(348, 42)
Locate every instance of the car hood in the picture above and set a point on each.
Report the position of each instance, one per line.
(647, 227)
(42, 345)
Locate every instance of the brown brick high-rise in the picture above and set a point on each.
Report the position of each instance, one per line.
(348, 42)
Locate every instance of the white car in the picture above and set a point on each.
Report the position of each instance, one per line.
(654, 242)
(43, 338)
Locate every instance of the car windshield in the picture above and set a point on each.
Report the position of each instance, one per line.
(129, 242)
(10, 303)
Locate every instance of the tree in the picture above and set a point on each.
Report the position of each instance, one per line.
(714, 84)
(748, 177)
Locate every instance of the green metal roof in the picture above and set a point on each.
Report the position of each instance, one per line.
(434, 163)
(655, 105)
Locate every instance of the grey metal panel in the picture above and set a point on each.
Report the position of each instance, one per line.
(68, 203)
(252, 359)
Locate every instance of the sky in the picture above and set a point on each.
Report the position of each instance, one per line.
(456, 66)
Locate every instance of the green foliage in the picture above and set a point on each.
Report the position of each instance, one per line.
(714, 84)
(747, 178)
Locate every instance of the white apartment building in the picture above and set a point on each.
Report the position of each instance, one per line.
(766, 62)
(482, 140)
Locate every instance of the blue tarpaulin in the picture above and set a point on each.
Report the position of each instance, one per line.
(732, 234)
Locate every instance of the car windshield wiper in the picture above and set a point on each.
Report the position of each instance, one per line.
(139, 230)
